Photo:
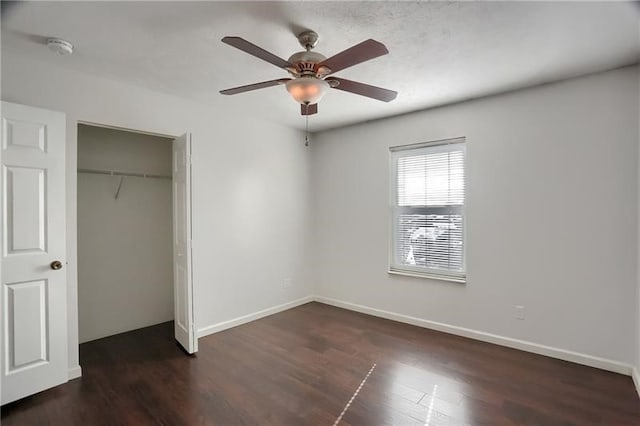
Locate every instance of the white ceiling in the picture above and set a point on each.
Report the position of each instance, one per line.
(440, 52)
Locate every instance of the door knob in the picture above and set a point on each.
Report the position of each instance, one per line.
(56, 264)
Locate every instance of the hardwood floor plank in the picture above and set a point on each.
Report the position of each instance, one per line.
(302, 366)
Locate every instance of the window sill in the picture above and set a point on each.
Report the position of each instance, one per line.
(459, 280)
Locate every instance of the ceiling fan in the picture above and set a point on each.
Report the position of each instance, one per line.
(312, 72)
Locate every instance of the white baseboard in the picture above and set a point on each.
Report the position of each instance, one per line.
(74, 372)
(635, 375)
(205, 331)
(579, 358)
(523, 345)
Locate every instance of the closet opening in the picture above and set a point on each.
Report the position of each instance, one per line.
(134, 233)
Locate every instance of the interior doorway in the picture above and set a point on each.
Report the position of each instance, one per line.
(133, 209)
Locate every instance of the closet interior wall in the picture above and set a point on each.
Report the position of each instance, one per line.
(125, 260)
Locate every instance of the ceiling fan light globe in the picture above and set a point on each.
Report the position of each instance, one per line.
(307, 90)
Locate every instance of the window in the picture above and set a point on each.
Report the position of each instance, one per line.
(427, 199)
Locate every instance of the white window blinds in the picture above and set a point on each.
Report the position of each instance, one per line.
(428, 209)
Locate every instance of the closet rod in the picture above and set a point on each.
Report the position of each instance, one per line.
(118, 173)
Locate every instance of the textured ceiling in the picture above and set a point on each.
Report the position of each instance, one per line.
(440, 52)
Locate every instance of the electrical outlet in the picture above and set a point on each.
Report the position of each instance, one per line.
(286, 283)
(519, 311)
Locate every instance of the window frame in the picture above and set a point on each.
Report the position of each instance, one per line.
(395, 210)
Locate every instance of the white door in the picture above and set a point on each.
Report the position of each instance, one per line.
(33, 323)
(185, 331)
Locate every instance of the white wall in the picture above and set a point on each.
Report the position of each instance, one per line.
(125, 246)
(552, 202)
(113, 149)
(250, 185)
(552, 205)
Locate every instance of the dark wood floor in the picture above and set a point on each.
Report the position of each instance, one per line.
(302, 366)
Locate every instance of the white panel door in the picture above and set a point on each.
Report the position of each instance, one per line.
(33, 321)
(182, 284)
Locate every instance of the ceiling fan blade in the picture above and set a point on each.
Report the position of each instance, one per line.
(362, 89)
(308, 109)
(252, 49)
(354, 55)
(255, 86)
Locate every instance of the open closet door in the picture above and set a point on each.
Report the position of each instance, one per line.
(185, 330)
(33, 298)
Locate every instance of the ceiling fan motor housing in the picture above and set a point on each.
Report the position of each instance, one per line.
(60, 46)
(305, 63)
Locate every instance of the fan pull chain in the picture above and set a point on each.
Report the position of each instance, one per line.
(306, 137)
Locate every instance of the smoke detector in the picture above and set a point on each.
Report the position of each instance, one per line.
(60, 46)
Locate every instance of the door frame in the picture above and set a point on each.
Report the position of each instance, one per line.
(190, 188)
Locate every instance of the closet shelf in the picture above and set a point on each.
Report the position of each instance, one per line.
(121, 173)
